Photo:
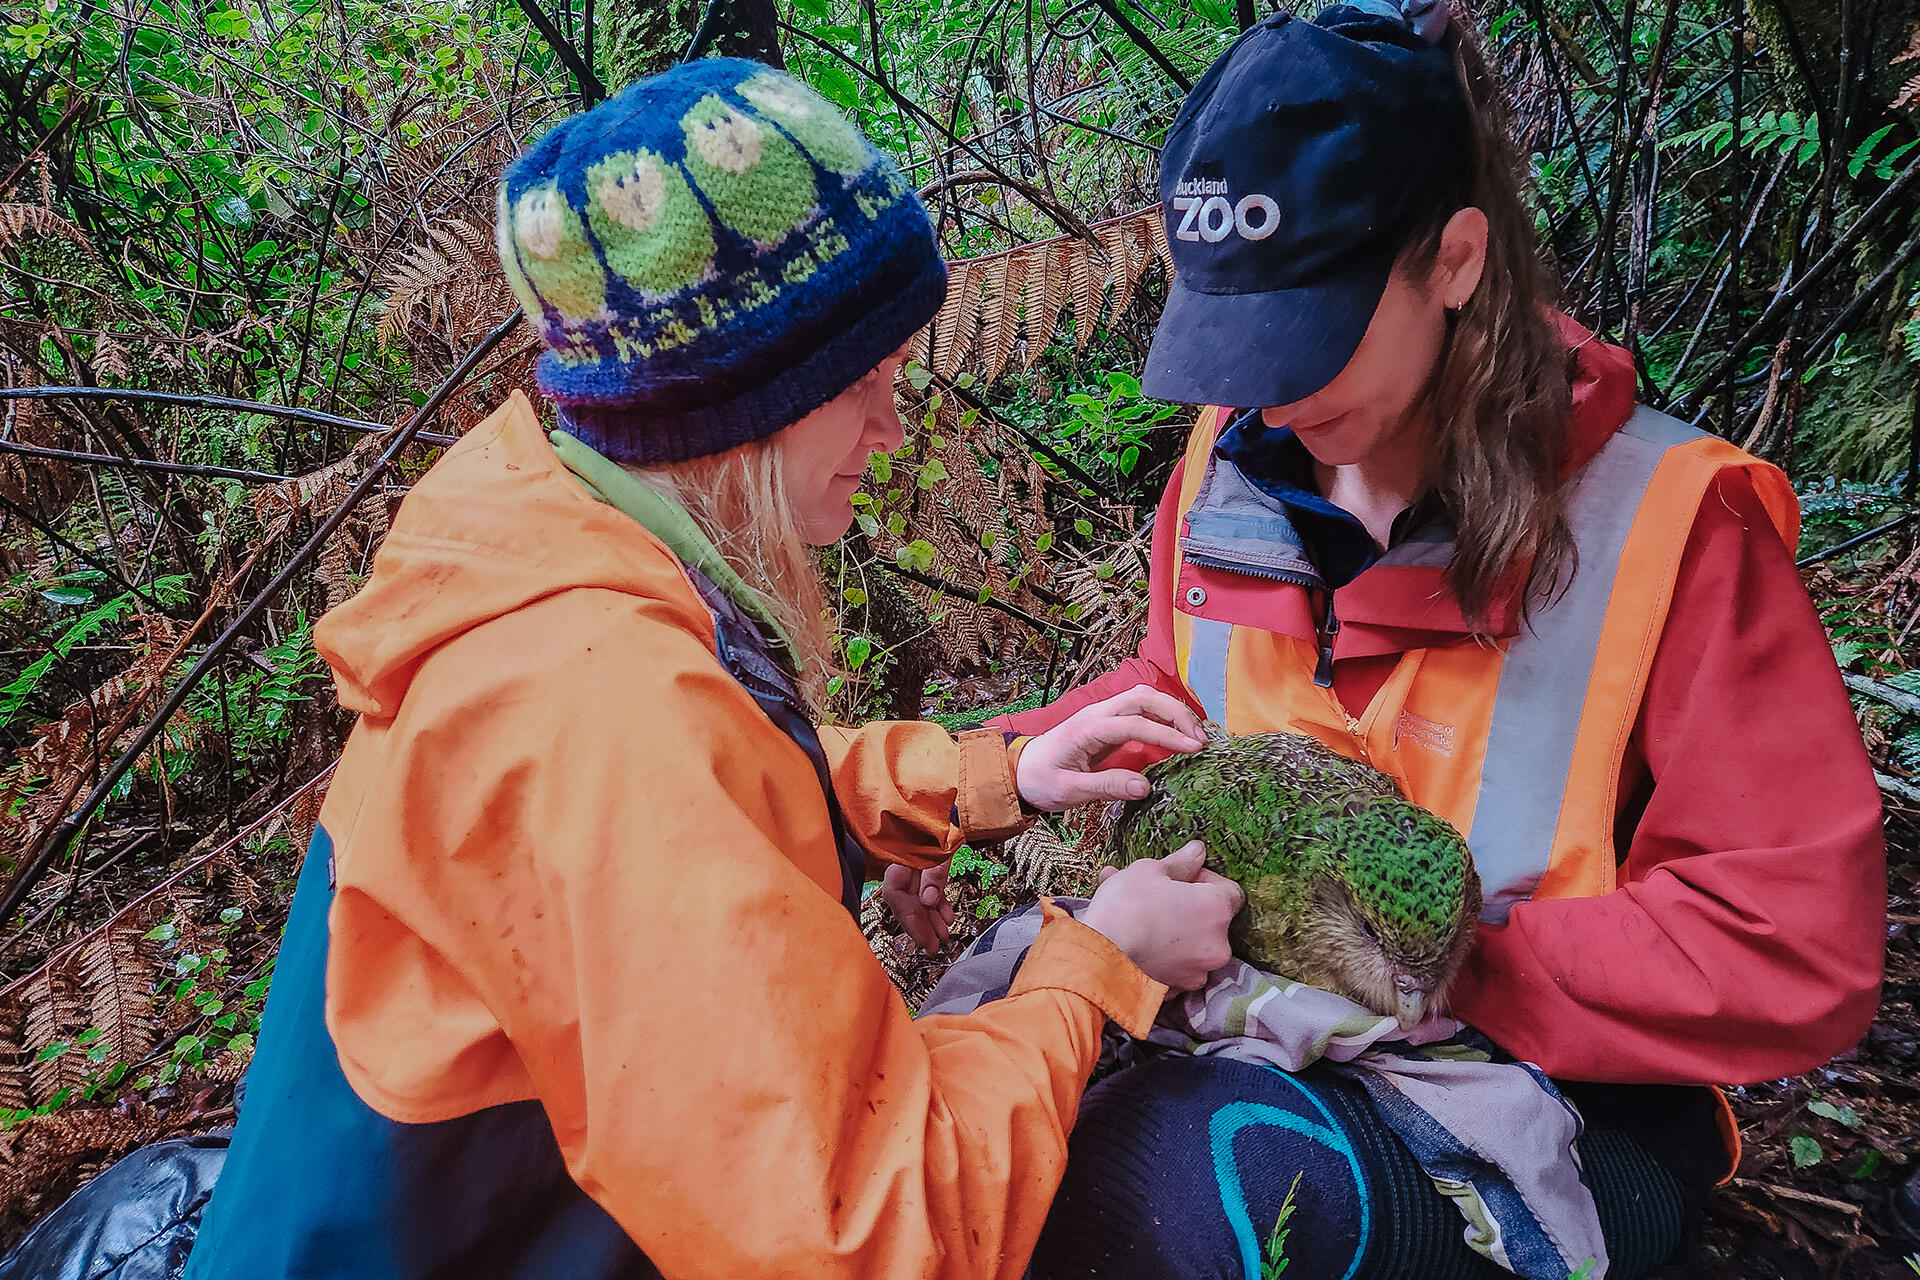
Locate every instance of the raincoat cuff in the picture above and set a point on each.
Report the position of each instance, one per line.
(988, 801)
(1069, 956)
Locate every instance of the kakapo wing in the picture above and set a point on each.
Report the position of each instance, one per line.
(1243, 796)
(1255, 800)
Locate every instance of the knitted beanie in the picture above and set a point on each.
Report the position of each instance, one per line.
(709, 257)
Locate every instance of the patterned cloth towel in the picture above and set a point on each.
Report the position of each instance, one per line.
(1497, 1138)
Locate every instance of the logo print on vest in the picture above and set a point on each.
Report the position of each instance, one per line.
(1431, 734)
(1208, 212)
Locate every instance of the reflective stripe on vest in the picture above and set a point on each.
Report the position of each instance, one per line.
(1537, 709)
(1519, 745)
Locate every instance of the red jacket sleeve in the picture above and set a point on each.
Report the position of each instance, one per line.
(1155, 665)
(1746, 940)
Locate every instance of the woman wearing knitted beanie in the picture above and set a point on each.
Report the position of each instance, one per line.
(573, 984)
(1421, 519)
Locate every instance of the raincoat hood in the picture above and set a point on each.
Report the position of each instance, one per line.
(498, 523)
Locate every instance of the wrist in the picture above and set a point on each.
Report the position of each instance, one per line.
(1016, 762)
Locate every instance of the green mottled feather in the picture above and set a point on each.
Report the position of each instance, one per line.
(1349, 886)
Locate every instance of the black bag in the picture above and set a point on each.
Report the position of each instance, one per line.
(136, 1221)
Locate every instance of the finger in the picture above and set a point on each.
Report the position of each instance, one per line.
(1145, 700)
(1108, 873)
(1108, 784)
(932, 894)
(1114, 730)
(921, 930)
(1229, 887)
(1187, 863)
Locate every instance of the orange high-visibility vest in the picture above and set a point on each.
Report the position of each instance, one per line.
(1517, 742)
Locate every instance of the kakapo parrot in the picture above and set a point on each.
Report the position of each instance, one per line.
(1350, 887)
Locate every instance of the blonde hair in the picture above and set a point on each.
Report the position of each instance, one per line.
(1501, 395)
(741, 501)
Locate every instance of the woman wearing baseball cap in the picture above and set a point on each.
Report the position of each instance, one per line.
(574, 984)
(1422, 520)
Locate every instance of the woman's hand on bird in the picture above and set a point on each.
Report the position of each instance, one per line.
(1067, 765)
(1169, 915)
(918, 900)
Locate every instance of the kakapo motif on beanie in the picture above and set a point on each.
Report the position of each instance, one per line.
(710, 256)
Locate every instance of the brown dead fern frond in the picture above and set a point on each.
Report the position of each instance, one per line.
(277, 505)
(15, 1082)
(34, 790)
(118, 972)
(17, 221)
(55, 1016)
(996, 301)
(1046, 293)
(452, 284)
(111, 359)
(1008, 277)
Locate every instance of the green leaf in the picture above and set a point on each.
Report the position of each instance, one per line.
(1863, 154)
(919, 376)
(854, 596)
(1044, 542)
(932, 473)
(837, 84)
(859, 649)
(1805, 1151)
(1083, 527)
(818, 8)
(1840, 1115)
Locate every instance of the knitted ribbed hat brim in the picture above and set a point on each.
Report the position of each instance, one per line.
(648, 435)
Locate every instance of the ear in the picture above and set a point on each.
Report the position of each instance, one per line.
(1462, 258)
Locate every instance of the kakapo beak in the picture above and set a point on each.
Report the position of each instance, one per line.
(1411, 1005)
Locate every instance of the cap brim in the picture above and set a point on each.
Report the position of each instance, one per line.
(1257, 350)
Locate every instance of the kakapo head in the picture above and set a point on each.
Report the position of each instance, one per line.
(1399, 905)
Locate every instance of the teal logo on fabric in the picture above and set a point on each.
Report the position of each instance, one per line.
(1229, 1120)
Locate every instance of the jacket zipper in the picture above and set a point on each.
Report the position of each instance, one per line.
(1291, 576)
(1328, 631)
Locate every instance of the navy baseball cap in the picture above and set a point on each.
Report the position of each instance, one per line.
(1291, 180)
